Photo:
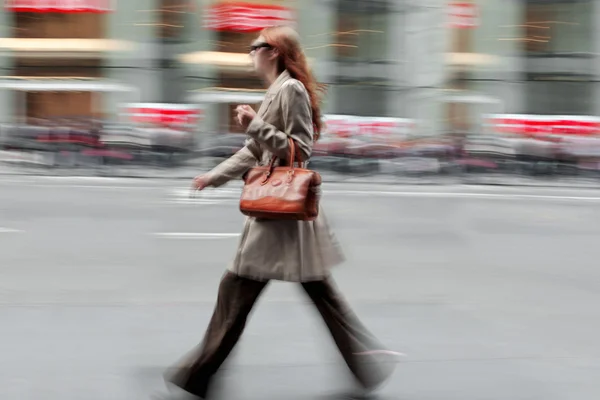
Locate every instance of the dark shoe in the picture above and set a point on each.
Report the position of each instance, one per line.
(181, 379)
(180, 395)
(350, 396)
(381, 364)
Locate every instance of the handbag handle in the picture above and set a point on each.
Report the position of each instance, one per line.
(293, 157)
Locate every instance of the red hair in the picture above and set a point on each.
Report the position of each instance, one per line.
(292, 59)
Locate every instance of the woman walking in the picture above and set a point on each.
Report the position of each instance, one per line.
(296, 251)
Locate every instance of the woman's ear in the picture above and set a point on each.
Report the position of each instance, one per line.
(274, 54)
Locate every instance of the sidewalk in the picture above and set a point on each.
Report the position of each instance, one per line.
(189, 172)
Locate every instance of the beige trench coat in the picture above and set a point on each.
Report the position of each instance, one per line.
(297, 251)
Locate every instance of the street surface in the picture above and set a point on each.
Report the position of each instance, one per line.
(492, 293)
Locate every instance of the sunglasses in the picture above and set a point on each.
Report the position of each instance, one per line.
(261, 45)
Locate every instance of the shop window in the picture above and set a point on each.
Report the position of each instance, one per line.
(47, 106)
(361, 31)
(234, 42)
(232, 125)
(362, 100)
(560, 95)
(51, 106)
(29, 25)
(457, 113)
(461, 40)
(241, 82)
(560, 27)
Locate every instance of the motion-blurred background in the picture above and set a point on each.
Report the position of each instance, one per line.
(491, 291)
(416, 87)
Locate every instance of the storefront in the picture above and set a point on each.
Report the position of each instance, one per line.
(464, 104)
(535, 56)
(54, 43)
(231, 27)
(42, 100)
(224, 101)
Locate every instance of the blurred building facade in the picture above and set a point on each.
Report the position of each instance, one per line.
(443, 63)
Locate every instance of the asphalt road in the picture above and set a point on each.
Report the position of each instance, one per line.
(492, 293)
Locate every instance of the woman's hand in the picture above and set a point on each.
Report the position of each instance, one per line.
(199, 183)
(245, 115)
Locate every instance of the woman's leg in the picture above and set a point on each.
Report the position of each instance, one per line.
(362, 352)
(236, 297)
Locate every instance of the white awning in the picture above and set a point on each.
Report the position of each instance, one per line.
(471, 99)
(66, 47)
(472, 59)
(226, 97)
(221, 59)
(57, 85)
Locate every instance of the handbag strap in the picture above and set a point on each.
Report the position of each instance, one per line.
(294, 156)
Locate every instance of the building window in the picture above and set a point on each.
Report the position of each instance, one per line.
(362, 100)
(560, 95)
(458, 114)
(57, 67)
(240, 81)
(234, 42)
(559, 27)
(361, 31)
(237, 81)
(48, 105)
(174, 16)
(28, 25)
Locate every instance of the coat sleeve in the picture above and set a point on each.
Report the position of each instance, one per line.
(297, 122)
(235, 166)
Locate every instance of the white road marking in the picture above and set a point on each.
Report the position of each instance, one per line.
(225, 195)
(81, 182)
(194, 201)
(8, 230)
(212, 196)
(82, 178)
(196, 235)
(75, 186)
(214, 193)
(100, 187)
(505, 196)
(180, 195)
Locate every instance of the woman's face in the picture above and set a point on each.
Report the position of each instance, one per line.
(262, 55)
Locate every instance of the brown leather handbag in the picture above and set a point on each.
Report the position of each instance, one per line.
(283, 192)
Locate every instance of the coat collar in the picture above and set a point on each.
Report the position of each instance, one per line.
(275, 86)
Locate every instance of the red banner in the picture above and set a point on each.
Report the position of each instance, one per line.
(543, 125)
(463, 15)
(163, 114)
(246, 17)
(349, 126)
(59, 6)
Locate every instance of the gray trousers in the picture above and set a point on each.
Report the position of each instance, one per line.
(235, 300)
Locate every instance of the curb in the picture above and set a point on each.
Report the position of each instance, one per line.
(375, 180)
